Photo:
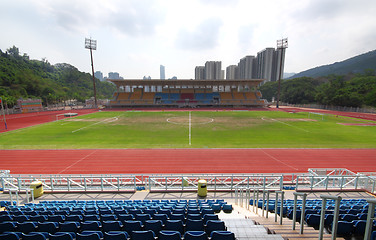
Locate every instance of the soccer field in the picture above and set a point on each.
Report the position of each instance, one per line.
(194, 129)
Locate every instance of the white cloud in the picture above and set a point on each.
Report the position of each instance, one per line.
(203, 37)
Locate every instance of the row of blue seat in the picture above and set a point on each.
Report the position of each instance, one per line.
(107, 217)
(106, 226)
(118, 235)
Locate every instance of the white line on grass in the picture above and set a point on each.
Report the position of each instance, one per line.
(108, 120)
(190, 128)
(264, 118)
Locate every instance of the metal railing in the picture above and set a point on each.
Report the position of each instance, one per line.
(315, 179)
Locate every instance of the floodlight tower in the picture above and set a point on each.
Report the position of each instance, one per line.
(92, 45)
(281, 45)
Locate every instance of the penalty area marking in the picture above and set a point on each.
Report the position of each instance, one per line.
(108, 120)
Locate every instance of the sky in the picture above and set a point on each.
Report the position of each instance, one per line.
(135, 37)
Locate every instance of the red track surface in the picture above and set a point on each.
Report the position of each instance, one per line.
(22, 120)
(110, 161)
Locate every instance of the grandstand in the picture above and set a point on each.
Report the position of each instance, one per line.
(187, 93)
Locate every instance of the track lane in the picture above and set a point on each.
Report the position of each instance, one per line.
(158, 161)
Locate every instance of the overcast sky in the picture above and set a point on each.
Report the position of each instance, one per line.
(135, 37)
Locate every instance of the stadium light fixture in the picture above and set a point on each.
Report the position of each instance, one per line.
(92, 45)
(282, 44)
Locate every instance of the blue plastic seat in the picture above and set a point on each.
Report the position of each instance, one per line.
(175, 216)
(154, 225)
(109, 217)
(174, 225)
(194, 216)
(91, 218)
(21, 218)
(208, 217)
(9, 236)
(344, 228)
(195, 235)
(34, 236)
(313, 220)
(91, 226)
(131, 225)
(359, 226)
(88, 236)
(62, 236)
(222, 235)
(162, 217)
(116, 235)
(143, 217)
(69, 227)
(169, 235)
(207, 211)
(27, 227)
(143, 235)
(194, 225)
(108, 226)
(8, 226)
(50, 227)
(165, 211)
(215, 225)
(74, 218)
(151, 212)
(56, 218)
(216, 208)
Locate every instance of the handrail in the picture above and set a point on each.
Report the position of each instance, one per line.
(335, 218)
(370, 218)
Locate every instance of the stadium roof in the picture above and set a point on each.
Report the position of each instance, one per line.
(185, 82)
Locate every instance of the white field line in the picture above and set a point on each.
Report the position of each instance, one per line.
(190, 128)
(264, 118)
(108, 120)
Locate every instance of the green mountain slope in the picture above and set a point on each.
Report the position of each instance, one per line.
(352, 65)
(21, 77)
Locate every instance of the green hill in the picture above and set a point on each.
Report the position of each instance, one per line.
(22, 77)
(356, 64)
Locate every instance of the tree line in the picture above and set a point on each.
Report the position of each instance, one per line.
(21, 77)
(351, 90)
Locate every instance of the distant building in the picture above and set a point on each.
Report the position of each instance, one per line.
(232, 72)
(114, 75)
(200, 72)
(247, 68)
(213, 70)
(162, 72)
(99, 75)
(265, 64)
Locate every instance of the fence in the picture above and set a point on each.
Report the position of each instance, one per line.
(315, 179)
(333, 108)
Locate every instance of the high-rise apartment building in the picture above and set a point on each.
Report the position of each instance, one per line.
(200, 72)
(162, 72)
(113, 75)
(246, 68)
(232, 72)
(213, 70)
(99, 75)
(265, 64)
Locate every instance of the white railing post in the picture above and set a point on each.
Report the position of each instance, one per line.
(370, 218)
(335, 218)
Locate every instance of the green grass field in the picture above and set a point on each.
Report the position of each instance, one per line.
(196, 129)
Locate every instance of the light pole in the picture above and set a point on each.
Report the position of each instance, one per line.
(281, 45)
(92, 45)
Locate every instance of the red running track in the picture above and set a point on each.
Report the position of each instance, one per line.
(22, 120)
(143, 161)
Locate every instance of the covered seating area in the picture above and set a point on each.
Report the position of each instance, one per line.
(187, 93)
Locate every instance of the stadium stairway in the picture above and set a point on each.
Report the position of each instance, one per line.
(284, 230)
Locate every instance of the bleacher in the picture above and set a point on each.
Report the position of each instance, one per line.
(352, 214)
(116, 219)
(184, 97)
